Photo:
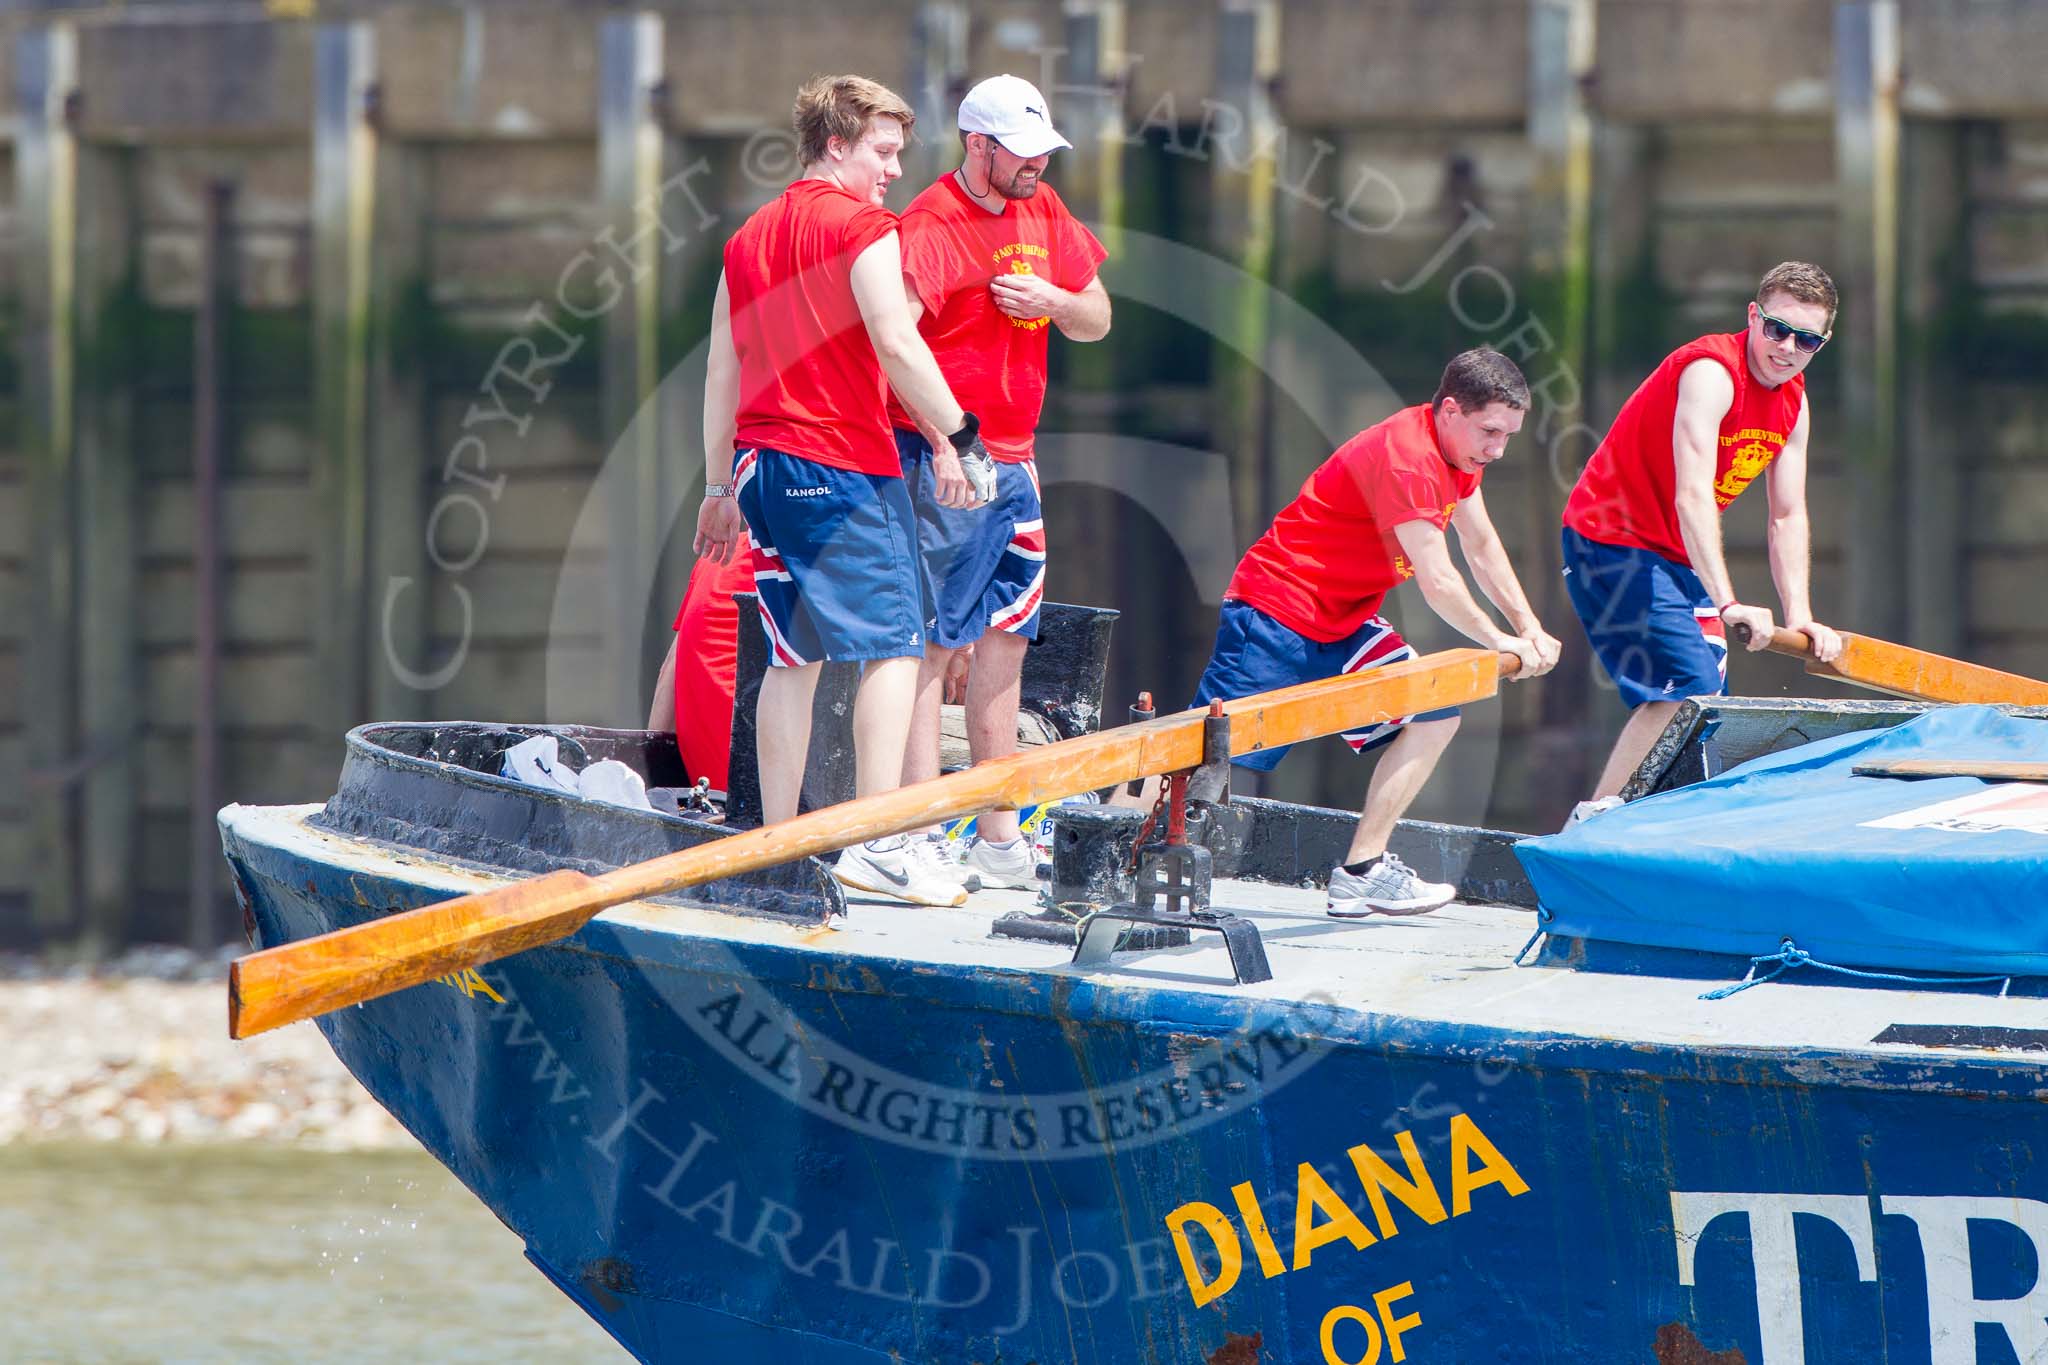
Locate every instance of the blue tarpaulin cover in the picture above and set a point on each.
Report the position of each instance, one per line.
(1935, 874)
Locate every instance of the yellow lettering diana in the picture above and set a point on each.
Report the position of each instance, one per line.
(1466, 1141)
(1313, 1195)
(1222, 1236)
(1323, 1214)
(1417, 1193)
(471, 984)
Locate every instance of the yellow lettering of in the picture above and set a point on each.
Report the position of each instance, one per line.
(1494, 1169)
(1313, 1195)
(1270, 1263)
(1417, 1192)
(1211, 1220)
(1384, 1301)
(1345, 1312)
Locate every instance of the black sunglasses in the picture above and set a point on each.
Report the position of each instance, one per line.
(1776, 331)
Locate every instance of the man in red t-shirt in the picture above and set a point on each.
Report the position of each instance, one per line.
(1304, 603)
(1642, 528)
(808, 320)
(694, 690)
(992, 262)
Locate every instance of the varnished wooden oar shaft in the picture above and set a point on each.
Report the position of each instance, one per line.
(1904, 671)
(347, 966)
(1989, 769)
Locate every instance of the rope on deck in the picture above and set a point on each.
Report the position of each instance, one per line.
(1790, 955)
(1543, 919)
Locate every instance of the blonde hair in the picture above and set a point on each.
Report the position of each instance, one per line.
(1802, 280)
(842, 107)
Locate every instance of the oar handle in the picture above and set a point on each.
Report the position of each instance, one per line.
(1783, 641)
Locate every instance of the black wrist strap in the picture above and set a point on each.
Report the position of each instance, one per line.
(970, 428)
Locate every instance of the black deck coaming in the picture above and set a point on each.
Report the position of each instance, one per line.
(1709, 735)
(433, 788)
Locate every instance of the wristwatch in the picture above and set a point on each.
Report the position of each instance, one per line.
(970, 428)
(717, 490)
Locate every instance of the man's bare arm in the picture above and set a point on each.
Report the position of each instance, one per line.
(1443, 587)
(949, 481)
(718, 519)
(1790, 538)
(1086, 315)
(1705, 393)
(1080, 314)
(878, 290)
(1490, 565)
(721, 390)
(1495, 574)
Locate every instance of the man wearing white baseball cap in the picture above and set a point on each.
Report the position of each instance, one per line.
(1010, 110)
(992, 261)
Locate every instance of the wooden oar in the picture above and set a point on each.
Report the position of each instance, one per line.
(1904, 671)
(1989, 769)
(346, 966)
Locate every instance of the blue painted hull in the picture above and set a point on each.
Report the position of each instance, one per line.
(698, 1141)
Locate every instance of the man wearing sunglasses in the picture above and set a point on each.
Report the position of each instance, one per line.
(1643, 561)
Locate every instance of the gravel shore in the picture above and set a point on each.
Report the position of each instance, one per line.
(137, 1050)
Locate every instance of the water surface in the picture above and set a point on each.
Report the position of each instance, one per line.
(114, 1252)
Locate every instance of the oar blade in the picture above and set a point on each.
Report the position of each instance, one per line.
(311, 976)
(1906, 672)
(1903, 671)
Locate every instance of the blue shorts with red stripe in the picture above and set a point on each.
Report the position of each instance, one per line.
(835, 560)
(1649, 619)
(1255, 653)
(986, 565)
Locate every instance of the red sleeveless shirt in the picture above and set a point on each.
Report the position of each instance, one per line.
(1628, 492)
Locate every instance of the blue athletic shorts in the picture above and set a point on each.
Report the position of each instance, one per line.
(1650, 621)
(985, 565)
(835, 560)
(1255, 653)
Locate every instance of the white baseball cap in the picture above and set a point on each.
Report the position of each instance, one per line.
(1010, 110)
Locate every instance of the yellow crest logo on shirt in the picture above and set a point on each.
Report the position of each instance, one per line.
(1017, 257)
(1750, 460)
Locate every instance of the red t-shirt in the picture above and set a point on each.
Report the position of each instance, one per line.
(809, 381)
(707, 662)
(994, 363)
(1628, 494)
(1326, 564)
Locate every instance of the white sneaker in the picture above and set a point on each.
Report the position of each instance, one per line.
(1586, 810)
(1390, 888)
(899, 867)
(1011, 864)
